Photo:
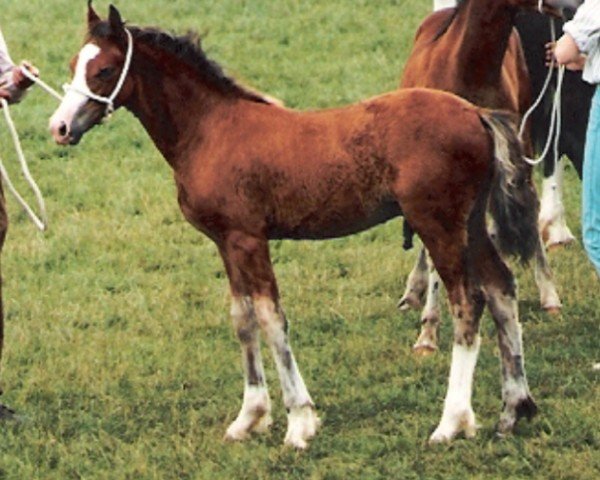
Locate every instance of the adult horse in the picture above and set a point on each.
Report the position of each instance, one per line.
(576, 95)
(248, 171)
(488, 68)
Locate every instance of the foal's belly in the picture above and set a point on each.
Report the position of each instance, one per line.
(334, 224)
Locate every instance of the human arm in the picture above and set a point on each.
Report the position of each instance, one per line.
(13, 81)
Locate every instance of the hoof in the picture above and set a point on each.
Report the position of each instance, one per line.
(554, 311)
(424, 350)
(525, 407)
(449, 428)
(556, 237)
(409, 302)
(303, 424)
(552, 247)
(257, 421)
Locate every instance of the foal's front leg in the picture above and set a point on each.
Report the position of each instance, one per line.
(255, 414)
(303, 421)
(251, 276)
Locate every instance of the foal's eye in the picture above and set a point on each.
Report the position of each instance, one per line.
(104, 73)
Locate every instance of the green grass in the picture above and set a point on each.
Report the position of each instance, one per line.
(119, 354)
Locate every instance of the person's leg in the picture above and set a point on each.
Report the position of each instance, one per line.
(591, 185)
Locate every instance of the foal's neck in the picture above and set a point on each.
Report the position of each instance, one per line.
(484, 28)
(171, 103)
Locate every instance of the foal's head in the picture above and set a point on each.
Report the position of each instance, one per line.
(99, 82)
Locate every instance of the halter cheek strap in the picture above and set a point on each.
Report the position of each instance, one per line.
(109, 101)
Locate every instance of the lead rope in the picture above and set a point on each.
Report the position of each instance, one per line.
(40, 222)
(555, 115)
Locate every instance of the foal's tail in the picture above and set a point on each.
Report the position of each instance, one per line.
(514, 203)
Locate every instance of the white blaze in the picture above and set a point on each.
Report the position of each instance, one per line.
(73, 100)
(439, 4)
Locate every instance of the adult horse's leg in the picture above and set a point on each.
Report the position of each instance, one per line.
(552, 219)
(430, 316)
(416, 284)
(549, 299)
(251, 275)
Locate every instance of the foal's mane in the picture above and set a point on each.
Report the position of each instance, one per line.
(187, 49)
(460, 5)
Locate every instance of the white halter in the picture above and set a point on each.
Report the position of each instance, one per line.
(109, 101)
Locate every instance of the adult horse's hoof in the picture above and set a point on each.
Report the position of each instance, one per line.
(426, 344)
(409, 301)
(559, 245)
(424, 350)
(556, 235)
(554, 311)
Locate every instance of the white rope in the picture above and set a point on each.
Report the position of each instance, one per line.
(109, 101)
(555, 114)
(42, 221)
(41, 83)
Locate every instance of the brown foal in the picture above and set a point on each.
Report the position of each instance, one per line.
(248, 171)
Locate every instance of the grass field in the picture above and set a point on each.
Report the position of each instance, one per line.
(119, 355)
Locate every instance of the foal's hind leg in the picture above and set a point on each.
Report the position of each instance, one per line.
(251, 274)
(501, 298)
(466, 302)
(449, 253)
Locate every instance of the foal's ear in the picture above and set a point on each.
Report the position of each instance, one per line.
(114, 19)
(92, 16)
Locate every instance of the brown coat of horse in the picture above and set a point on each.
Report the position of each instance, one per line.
(475, 52)
(248, 171)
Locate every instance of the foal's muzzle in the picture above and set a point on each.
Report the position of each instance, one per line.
(63, 135)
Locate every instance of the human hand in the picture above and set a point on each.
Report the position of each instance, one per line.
(550, 58)
(5, 94)
(19, 79)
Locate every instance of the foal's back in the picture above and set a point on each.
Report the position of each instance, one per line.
(334, 172)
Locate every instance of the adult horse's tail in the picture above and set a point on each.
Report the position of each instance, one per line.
(514, 204)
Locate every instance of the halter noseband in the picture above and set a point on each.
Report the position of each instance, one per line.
(109, 101)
